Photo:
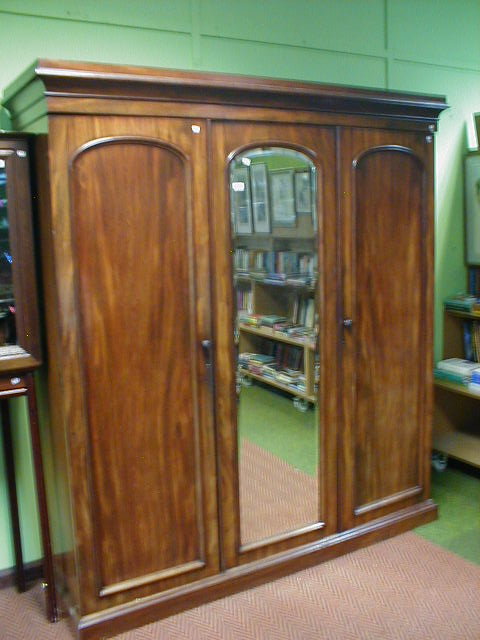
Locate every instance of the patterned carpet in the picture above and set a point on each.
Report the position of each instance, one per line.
(274, 496)
(405, 588)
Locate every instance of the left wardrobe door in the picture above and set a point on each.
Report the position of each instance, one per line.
(129, 223)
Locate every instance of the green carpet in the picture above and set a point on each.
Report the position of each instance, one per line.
(270, 420)
(458, 526)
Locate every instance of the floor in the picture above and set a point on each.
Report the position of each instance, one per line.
(405, 588)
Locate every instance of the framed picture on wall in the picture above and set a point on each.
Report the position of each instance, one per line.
(283, 198)
(240, 200)
(260, 199)
(472, 208)
(303, 191)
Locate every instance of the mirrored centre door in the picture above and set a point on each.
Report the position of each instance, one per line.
(274, 207)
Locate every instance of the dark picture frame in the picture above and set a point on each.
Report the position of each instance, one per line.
(240, 198)
(260, 197)
(282, 194)
(303, 191)
(472, 208)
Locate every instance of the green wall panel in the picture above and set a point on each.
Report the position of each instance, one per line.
(437, 31)
(28, 512)
(6, 541)
(150, 14)
(49, 38)
(456, 134)
(338, 26)
(235, 56)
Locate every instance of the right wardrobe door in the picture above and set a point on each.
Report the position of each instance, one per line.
(275, 332)
(387, 360)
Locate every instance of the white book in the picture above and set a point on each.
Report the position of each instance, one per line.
(458, 365)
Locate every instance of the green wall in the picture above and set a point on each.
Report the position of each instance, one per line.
(427, 46)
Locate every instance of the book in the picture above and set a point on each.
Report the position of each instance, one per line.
(448, 376)
(460, 302)
(271, 321)
(476, 376)
(458, 366)
(261, 358)
(474, 387)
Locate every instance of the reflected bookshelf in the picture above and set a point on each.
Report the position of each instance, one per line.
(277, 329)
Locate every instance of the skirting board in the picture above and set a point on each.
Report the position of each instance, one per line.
(33, 571)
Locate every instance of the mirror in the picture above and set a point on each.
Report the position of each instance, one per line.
(8, 334)
(275, 266)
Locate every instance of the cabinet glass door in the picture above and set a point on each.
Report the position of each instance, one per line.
(275, 272)
(8, 333)
(19, 333)
(275, 301)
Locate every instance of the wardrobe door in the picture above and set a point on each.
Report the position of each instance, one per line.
(387, 357)
(274, 220)
(130, 241)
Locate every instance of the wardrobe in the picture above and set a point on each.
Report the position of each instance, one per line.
(215, 248)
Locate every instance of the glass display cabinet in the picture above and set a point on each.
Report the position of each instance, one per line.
(19, 332)
(20, 353)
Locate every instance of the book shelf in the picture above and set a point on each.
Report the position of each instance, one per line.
(275, 278)
(292, 349)
(456, 431)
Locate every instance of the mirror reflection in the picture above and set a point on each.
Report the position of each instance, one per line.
(8, 337)
(275, 266)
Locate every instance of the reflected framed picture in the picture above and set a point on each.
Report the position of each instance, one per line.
(303, 192)
(282, 198)
(260, 198)
(472, 208)
(240, 199)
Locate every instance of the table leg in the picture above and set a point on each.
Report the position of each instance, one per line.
(51, 597)
(12, 493)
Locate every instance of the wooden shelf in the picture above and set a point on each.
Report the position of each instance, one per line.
(467, 315)
(280, 284)
(458, 444)
(456, 425)
(279, 385)
(266, 332)
(457, 388)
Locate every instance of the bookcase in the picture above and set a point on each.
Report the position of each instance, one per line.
(456, 431)
(277, 319)
(185, 220)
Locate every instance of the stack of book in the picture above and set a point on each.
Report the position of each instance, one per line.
(456, 370)
(276, 267)
(272, 320)
(461, 302)
(257, 361)
(251, 319)
(284, 364)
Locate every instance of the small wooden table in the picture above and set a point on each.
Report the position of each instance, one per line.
(13, 386)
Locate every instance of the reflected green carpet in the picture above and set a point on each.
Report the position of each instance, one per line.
(270, 420)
